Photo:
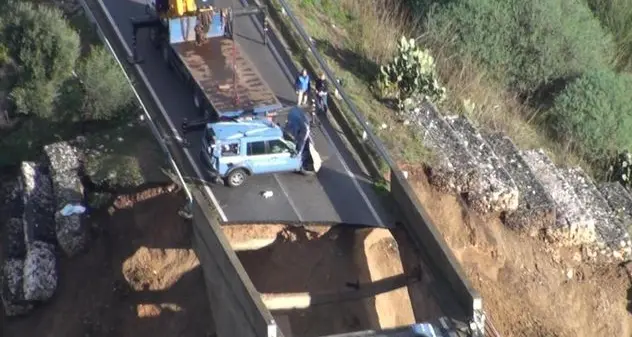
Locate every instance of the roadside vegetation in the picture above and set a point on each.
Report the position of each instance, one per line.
(552, 74)
(59, 83)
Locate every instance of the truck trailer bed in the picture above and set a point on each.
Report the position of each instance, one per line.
(211, 66)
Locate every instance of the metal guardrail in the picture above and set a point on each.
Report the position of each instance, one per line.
(361, 119)
(154, 129)
(482, 324)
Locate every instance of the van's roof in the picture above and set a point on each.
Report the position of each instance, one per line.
(258, 128)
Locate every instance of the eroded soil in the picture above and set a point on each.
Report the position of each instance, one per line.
(139, 278)
(530, 289)
(296, 269)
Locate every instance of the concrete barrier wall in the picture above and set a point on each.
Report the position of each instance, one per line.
(422, 231)
(236, 305)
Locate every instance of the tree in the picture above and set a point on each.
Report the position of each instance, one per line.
(45, 47)
(106, 94)
(593, 113)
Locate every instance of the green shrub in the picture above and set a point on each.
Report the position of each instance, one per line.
(525, 43)
(422, 7)
(114, 170)
(36, 96)
(594, 115)
(106, 93)
(616, 16)
(45, 47)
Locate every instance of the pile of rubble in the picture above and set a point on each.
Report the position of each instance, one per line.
(36, 227)
(64, 162)
(535, 208)
(534, 195)
(453, 168)
(573, 224)
(496, 191)
(465, 163)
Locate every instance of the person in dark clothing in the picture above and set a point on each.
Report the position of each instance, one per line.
(322, 92)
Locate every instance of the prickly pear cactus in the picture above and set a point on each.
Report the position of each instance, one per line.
(410, 73)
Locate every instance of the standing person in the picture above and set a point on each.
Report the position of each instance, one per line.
(302, 86)
(322, 93)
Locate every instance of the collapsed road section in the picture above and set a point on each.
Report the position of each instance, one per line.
(237, 305)
(321, 280)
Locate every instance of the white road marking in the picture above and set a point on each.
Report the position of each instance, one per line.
(349, 173)
(289, 200)
(161, 108)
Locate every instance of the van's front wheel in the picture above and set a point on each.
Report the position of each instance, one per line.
(236, 178)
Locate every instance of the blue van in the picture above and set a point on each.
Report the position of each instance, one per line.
(237, 149)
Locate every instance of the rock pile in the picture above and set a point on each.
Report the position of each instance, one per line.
(64, 162)
(38, 203)
(27, 239)
(496, 191)
(573, 224)
(620, 200)
(613, 240)
(40, 273)
(12, 205)
(453, 168)
(536, 210)
(13, 239)
(11, 282)
(533, 194)
(36, 226)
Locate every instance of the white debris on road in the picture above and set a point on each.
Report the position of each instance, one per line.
(267, 194)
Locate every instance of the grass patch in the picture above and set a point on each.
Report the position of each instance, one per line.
(368, 36)
(616, 16)
(348, 46)
(25, 141)
(123, 157)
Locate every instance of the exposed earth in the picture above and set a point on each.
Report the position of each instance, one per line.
(529, 289)
(139, 278)
(306, 275)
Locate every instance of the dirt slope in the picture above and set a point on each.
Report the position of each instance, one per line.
(530, 289)
(140, 278)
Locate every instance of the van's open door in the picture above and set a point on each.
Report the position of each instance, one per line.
(316, 161)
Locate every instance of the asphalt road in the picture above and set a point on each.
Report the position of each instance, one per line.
(341, 192)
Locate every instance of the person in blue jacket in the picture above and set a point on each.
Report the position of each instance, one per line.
(302, 87)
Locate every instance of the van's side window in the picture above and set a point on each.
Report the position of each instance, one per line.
(256, 148)
(231, 149)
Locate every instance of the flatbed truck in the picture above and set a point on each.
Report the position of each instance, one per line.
(197, 41)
